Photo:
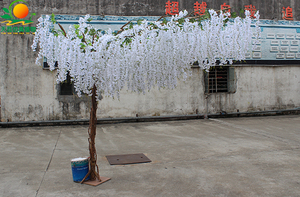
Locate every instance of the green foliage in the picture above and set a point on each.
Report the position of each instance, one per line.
(92, 32)
(6, 16)
(5, 10)
(165, 21)
(139, 22)
(153, 26)
(225, 22)
(32, 14)
(127, 40)
(53, 18)
(192, 20)
(54, 32)
(82, 45)
(181, 21)
(86, 30)
(234, 15)
(130, 25)
(242, 13)
(205, 16)
(77, 32)
(62, 32)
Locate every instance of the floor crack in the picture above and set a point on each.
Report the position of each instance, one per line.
(37, 191)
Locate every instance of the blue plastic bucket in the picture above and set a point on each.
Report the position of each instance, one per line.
(80, 167)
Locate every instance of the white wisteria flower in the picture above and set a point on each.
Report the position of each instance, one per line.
(146, 55)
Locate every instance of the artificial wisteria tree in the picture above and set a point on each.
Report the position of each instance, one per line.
(142, 56)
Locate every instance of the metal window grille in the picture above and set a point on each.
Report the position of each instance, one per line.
(217, 80)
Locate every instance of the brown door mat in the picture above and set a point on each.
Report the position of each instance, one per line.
(127, 159)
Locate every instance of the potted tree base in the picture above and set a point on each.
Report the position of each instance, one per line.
(95, 178)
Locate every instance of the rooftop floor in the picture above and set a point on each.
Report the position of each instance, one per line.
(249, 156)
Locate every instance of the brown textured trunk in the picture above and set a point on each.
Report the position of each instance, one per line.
(94, 170)
(93, 121)
(92, 134)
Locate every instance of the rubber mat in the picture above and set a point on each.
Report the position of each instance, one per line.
(127, 159)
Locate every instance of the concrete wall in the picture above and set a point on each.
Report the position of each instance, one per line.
(30, 93)
(258, 88)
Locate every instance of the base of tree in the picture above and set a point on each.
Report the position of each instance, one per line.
(96, 182)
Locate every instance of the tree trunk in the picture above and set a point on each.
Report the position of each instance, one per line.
(94, 175)
(92, 133)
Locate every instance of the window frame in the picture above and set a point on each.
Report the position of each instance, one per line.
(221, 73)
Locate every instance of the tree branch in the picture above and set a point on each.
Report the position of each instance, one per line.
(61, 27)
(122, 28)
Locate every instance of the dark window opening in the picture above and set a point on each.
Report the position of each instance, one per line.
(67, 87)
(46, 65)
(217, 79)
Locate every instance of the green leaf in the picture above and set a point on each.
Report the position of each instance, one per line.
(242, 12)
(153, 25)
(54, 32)
(130, 25)
(6, 16)
(6, 10)
(89, 20)
(32, 14)
(192, 20)
(76, 26)
(127, 41)
(181, 21)
(82, 45)
(234, 15)
(139, 22)
(225, 22)
(92, 32)
(53, 18)
(62, 32)
(165, 21)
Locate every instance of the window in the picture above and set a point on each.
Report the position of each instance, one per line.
(66, 87)
(217, 79)
(220, 79)
(46, 65)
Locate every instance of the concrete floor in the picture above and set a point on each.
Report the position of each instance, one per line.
(256, 156)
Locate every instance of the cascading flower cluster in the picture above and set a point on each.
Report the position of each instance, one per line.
(145, 55)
